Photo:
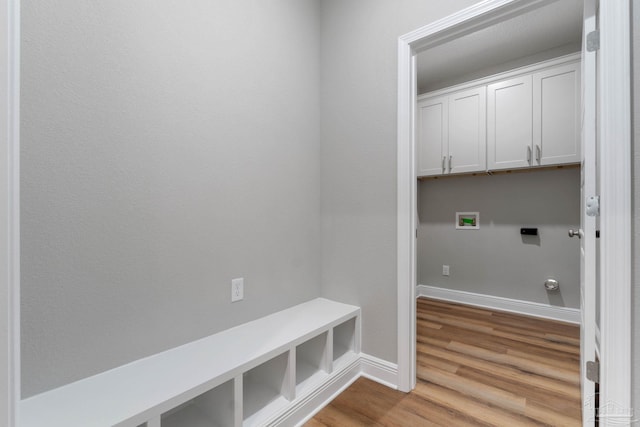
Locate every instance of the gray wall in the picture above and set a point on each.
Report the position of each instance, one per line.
(167, 147)
(358, 155)
(496, 260)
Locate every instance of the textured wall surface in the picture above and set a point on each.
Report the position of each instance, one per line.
(496, 260)
(358, 160)
(167, 147)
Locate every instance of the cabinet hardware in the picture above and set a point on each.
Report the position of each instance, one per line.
(444, 159)
(538, 153)
(528, 154)
(450, 159)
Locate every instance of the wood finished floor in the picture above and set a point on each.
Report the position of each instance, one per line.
(476, 367)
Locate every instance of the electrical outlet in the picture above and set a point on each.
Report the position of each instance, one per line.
(445, 270)
(237, 289)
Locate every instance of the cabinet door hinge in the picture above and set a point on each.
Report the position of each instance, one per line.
(593, 41)
(593, 205)
(593, 371)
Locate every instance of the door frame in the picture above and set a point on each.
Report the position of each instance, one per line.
(10, 211)
(615, 184)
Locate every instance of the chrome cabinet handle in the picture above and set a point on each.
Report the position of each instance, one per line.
(444, 158)
(529, 154)
(450, 160)
(538, 153)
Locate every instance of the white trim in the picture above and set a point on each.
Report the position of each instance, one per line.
(380, 371)
(597, 341)
(615, 161)
(468, 20)
(302, 410)
(407, 208)
(527, 308)
(615, 220)
(9, 212)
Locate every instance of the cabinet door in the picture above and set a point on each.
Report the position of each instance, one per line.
(432, 135)
(556, 103)
(468, 131)
(509, 124)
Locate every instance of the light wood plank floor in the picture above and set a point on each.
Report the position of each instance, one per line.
(476, 367)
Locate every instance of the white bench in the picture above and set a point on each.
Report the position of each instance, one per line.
(248, 375)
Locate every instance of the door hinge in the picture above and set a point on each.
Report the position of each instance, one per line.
(593, 371)
(593, 41)
(593, 205)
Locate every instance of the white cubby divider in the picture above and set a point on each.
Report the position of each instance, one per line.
(345, 341)
(312, 362)
(250, 375)
(267, 389)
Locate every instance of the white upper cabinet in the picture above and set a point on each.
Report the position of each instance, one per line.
(467, 131)
(433, 135)
(521, 119)
(556, 119)
(451, 133)
(509, 124)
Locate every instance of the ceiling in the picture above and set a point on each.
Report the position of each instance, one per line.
(549, 31)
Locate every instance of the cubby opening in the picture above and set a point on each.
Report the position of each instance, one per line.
(214, 408)
(344, 336)
(312, 363)
(264, 389)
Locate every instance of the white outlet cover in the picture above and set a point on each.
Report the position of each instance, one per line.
(237, 289)
(445, 270)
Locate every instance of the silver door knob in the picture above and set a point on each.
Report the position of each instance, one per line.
(574, 233)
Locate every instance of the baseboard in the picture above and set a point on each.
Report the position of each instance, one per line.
(304, 409)
(378, 370)
(545, 311)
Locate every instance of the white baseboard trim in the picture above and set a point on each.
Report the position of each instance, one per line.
(305, 408)
(545, 311)
(378, 370)
(302, 410)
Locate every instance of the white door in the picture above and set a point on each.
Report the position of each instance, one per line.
(468, 131)
(432, 135)
(509, 124)
(587, 222)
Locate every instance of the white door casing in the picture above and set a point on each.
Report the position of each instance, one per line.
(615, 183)
(9, 213)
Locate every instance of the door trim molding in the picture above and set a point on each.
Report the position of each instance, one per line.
(10, 212)
(615, 183)
(463, 22)
(615, 221)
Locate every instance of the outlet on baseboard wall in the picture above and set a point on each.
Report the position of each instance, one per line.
(445, 270)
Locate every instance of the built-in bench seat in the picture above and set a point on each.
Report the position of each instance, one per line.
(248, 375)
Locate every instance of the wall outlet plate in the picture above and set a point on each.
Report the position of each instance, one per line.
(237, 289)
(445, 270)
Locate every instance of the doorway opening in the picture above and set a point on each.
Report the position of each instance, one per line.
(614, 185)
(464, 94)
